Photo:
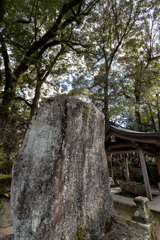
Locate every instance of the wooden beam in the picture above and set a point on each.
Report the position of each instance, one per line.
(121, 152)
(145, 175)
(136, 144)
(126, 167)
(150, 153)
(121, 145)
(148, 147)
(143, 139)
(106, 158)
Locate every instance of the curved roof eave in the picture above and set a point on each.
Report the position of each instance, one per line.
(132, 133)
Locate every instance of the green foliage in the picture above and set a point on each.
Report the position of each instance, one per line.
(109, 50)
(6, 166)
(5, 182)
(33, 33)
(123, 64)
(36, 38)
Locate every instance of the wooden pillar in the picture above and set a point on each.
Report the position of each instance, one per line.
(112, 167)
(106, 156)
(107, 160)
(145, 175)
(126, 168)
(158, 164)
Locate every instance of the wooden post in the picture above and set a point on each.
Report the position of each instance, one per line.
(158, 164)
(107, 160)
(126, 168)
(106, 156)
(112, 167)
(145, 175)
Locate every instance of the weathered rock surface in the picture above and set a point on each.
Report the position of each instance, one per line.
(60, 186)
(7, 237)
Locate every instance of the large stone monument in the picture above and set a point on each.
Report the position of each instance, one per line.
(60, 187)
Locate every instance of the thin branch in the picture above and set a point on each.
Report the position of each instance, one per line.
(51, 44)
(150, 60)
(77, 51)
(43, 21)
(15, 44)
(86, 12)
(79, 8)
(79, 44)
(55, 59)
(24, 100)
(26, 62)
(22, 21)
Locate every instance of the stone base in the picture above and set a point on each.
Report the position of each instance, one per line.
(149, 229)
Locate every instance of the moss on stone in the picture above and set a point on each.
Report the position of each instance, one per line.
(153, 237)
(102, 118)
(82, 230)
(80, 234)
(5, 182)
(49, 101)
(108, 226)
(86, 108)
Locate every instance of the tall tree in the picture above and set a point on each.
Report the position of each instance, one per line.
(33, 27)
(141, 62)
(115, 22)
(2, 9)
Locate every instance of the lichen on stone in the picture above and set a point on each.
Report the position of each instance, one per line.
(60, 178)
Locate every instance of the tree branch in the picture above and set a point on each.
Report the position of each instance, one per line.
(2, 9)
(46, 46)
(19, 46)
(22, 21)
(55, 59)
(77, 51)
(8, 73)
(58, 26)
(150, 60)
(79, 8)
(24, 100)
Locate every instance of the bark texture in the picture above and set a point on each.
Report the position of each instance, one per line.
(60, 186)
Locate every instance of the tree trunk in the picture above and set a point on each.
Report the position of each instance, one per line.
(138, 116)
(158, 111)
(137, 104)
(106, 112)
(2, 9)
(1, 79)
(152, 118)
(37, 94)
(106, 100)
(37, 48)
